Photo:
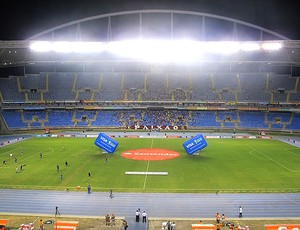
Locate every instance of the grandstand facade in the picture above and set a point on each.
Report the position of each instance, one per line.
(257, 91)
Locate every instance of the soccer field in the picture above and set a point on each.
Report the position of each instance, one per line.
(226, 165)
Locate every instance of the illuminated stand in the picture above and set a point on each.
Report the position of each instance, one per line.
(194, 145)
(106, 143)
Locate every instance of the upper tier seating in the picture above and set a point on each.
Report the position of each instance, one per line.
(227, 87)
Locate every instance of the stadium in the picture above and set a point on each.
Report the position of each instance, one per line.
(151, 83)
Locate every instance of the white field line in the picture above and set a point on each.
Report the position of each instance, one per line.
(298, 155)
(255, 155)
(272, 159)
(34, 154)
(50, 148)
(11, 151)
(148, 166)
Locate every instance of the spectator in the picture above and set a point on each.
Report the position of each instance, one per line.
(107, 220)
(223, 219)
(125, 224)
(113, 219)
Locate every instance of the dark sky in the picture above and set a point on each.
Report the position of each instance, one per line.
(20, 19)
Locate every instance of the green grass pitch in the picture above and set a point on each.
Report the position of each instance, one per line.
(226, 165)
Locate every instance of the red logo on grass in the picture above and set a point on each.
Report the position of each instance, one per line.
(150, 154)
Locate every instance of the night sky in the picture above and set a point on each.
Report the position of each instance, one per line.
(20, 19)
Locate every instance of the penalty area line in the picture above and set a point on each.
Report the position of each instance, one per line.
(276, 162)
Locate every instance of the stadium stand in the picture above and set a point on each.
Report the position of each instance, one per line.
(64, 91)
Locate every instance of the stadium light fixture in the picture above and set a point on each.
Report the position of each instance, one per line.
(157, 50)
(68, 47)
(271, 46)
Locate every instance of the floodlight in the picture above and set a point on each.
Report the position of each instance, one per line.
(156, 50)
(41, 46)
(68, 47)
(223, 47)
(249, 46)
(271, 46)
(161, 51)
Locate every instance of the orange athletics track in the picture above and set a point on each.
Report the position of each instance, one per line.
(150, 154)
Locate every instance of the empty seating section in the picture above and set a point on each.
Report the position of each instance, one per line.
(134, 81)
(156, 89)
(205, 119)
(83, 118)
(280, 86)
(60, 87)
(87, 81)
(252, 120)
(282, 82)
(108, 119)
(110, 87)
(295, 97)
(57, 118)
(253, 88)
(32, 85)
(133, 85)
(202, 88)
(86, 84)
(34, 115)
(13, 119)
(295, 123)
(9, 89)
(226, 95)
(278, 117)
(279, 97)
(33, 81)
(227, 81)
(228, 119)
(278, 120)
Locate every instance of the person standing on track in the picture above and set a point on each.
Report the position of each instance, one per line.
(240, 212)
(111, 194)
(57, 211)
(144, 215)
(137, 215)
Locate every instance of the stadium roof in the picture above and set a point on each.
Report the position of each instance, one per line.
(153, 24)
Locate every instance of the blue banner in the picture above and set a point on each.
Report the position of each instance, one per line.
(195, 144)
(106, 143)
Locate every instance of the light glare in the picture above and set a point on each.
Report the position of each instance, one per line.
(156, 50)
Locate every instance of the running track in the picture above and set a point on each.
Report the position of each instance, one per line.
(157, 205)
